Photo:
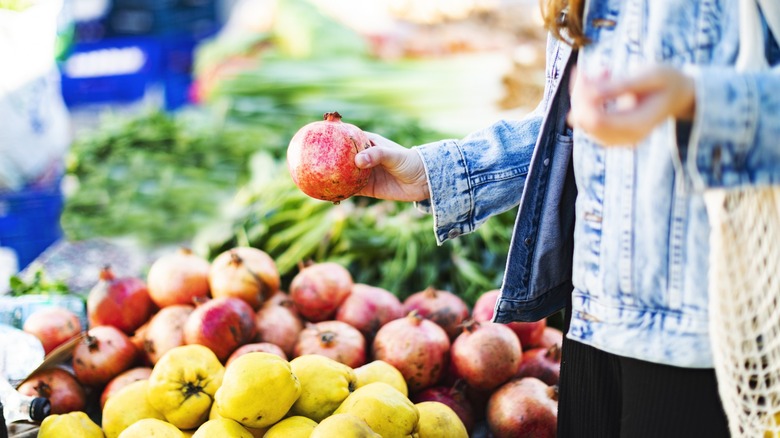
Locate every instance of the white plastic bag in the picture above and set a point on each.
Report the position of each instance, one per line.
(34, 123)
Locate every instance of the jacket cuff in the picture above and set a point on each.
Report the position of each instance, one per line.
(450, 199)
(724, 126)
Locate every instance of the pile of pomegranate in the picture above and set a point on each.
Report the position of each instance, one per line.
(499, 379)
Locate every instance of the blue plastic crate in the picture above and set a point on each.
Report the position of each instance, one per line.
(110, 70)
(30, 221)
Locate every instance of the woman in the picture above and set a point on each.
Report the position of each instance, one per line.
(642, 109)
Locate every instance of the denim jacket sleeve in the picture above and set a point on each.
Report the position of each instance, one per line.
(734, 137)
(484, 173)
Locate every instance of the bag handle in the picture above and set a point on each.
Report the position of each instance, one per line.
(751, 40)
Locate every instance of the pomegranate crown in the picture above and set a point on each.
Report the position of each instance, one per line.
(332, 116)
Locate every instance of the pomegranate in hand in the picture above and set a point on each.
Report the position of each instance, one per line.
(321, 159)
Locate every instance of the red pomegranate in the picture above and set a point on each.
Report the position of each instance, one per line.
(418, 347)
(278, 323)
(542, 363)
(367, 308)
(452, 396)
(244, 272)
(321, 158)
(178, 278)
(64, 392)
(265, 347)
(440, 306)
(334, 339)
(123, 379)
(165, 330)
(551, 336)
(319, 289)
(52, 326)
(102, 355)
(120, 302)
(529, 333)
(523, 408)
(221, 324)
(486, 354)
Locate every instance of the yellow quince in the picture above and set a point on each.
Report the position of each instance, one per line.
(292, 427)
(127, 406)
(343, 426)
(151, 427)
(325, 383)
(71, 424)
(381, 371)
(183, 383)
(258, 389)
(387, 412)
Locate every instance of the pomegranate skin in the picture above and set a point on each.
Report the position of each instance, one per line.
(418, 347)
(321, 159)
(522, 408)
(486, 354)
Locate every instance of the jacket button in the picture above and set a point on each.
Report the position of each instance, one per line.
(527, 241)
(546, 161)
(453, 233)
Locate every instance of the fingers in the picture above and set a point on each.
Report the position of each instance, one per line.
(624, 111)
(384, 152)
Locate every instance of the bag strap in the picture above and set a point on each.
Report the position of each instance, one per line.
(751, 40)
(771, 11)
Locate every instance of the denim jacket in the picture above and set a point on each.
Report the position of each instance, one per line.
(622, 229)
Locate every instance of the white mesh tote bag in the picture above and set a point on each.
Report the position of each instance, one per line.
(744, 276)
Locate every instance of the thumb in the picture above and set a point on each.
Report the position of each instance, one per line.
(379, 155)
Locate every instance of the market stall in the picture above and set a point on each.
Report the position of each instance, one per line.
(186, 245)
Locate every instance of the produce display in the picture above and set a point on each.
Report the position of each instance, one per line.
(275, 302)
(286, 358)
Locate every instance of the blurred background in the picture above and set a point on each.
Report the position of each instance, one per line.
(128, 127)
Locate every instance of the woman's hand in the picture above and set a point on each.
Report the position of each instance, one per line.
(625, 111)
(398, 173)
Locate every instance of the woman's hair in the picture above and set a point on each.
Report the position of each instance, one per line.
(564, 19)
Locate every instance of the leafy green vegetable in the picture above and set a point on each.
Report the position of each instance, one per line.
(155, 176)
(37, 285)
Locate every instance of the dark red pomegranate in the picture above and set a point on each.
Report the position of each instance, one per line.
(529, 333)
(64, 392)
(222, 325)
(321, 158)
(452, 396)
(440, 306)
(542, 363)
(417, 347)
(486, 354)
